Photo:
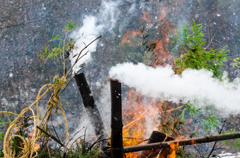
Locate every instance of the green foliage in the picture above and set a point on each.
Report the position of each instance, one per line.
(190, 44)
(2, 124)
(17, 145)
(181, 153)
(58, 50)
(81, 151)
(233, 143)
(194, 53)
(208, 119)
(236, 63)
(71, 25)
(63, 44)
(192, 110)
(210, 122)
(56, 37)
(1, 153)
(57, 83)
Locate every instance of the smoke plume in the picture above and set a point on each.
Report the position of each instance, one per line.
(93, 26)
(192, 86)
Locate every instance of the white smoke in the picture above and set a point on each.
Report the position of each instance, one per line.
(191, 86)
(84, 129)
(93, 26)
(104, 106)
(87, 33)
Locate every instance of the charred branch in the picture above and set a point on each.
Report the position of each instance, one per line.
(156, 137)
(91, 109)
(116, 120)
(182, 142)
(51, 136)
(210, 153)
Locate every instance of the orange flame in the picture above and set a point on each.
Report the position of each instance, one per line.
(36, 147)
(135, 113)
(16, 129)
(193, 142)
(127, 36)
(179, 137)
(30, 135)
(173, 147)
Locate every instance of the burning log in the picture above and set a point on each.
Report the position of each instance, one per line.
(91, 109)
(156, 137)
(182, 142)
(116, 120)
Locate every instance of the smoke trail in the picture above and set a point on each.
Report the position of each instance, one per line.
(192, 86)
(92, 27)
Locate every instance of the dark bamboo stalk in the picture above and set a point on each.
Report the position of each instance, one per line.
(91, 109)
(116, 120)
(182, 142)
(155, 137)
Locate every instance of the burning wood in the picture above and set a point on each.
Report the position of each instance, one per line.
(116, 120)
(91, 109)
(156, 137)
(182, 142)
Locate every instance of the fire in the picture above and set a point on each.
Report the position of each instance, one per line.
(139, 109)
(16, 129)
(127, 36)
(136, 112)
(193, 142)
(174, 150)
(30, 135)
(36, 147)
(160, 53)
(179, 137)
(161, 50)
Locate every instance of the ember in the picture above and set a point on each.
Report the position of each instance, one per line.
(173, 147)
(36, 147)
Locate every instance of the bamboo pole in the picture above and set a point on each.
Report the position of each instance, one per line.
(116, 120)
(91, 109)
(182, 142)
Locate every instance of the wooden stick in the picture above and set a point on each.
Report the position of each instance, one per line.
(182, 142)
(210, 153)
(91, 109)
(116, 120)
(51, 136)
